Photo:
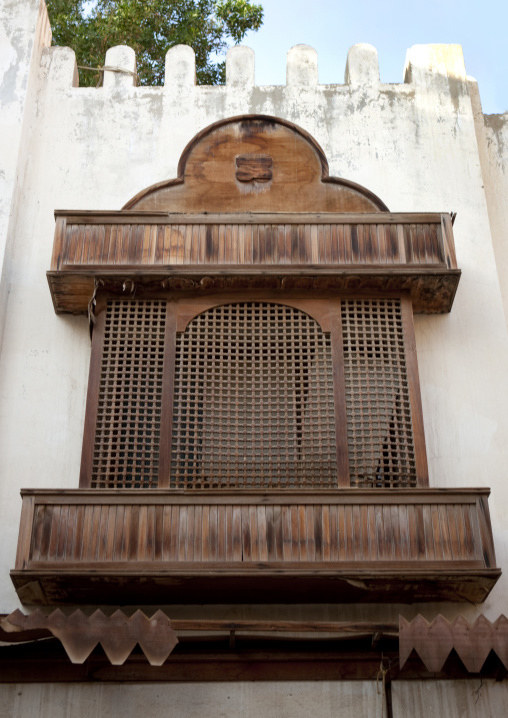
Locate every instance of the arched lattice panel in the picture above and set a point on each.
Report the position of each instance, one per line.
(253, 401)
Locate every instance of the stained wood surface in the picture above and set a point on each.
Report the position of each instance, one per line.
(329, 533)
(432, 290)
(472, 641)
(352, 427)
(377, 251)
(257, 240)
(328, 530)
(208, 181)
(415, 397)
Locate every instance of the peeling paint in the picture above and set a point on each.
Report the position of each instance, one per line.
(497, 126)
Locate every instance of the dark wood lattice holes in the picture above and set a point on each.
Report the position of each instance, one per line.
(253, 403)
(380, 431)
(254, 395)
(127, 435)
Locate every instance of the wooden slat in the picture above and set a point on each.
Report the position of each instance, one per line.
(270, 534)
(286, 533)
(126, 532)
(87, 536)
(117, 546)
(396, 519)
(221, 533)
(445, 520)
(167, 525)
(455, 544)
(486, 532)
(26, 530)
(236, 531)
(92, 401)
(197, 536)
(262, 525)
(109, 544)
(448, 243)
(71, 529)
(405, 540)
(422, 471)
(372, 496)
(91, 217)
(168, 372)
(341, 438)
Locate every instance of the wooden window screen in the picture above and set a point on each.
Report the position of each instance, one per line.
(254, 395)
(127, 434)
(253, 402)
(380, 430)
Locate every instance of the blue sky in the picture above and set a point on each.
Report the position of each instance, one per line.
(392, 26)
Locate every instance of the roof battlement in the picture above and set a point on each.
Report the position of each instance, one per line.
(425, 66)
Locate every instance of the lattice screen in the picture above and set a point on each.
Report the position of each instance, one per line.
(253, 400)
(380, 432)
(126, 449)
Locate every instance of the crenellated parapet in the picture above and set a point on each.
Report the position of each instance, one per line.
(426, 65)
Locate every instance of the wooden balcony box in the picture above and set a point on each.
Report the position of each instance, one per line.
(377, 251)
(253, 207)
(163, 547)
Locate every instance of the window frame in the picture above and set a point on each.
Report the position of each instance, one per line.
(325, 308)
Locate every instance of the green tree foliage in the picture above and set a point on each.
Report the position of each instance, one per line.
(151, 27)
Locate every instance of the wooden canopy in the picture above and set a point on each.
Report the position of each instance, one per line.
(253, 206)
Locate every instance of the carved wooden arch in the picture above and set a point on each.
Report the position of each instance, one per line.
(255, 163)
(319, 310)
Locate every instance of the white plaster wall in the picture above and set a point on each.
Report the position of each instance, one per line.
(321, 699)
(214, 700)
(492, 136)
(450, 699)
(24, 32)
(495, 172)
(413, 144)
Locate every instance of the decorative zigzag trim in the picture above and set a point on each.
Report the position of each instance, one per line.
(472, 642)
(118, 634)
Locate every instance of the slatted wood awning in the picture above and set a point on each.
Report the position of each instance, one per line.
(253, 206)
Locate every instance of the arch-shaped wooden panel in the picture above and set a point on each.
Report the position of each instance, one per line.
(255, 163)
(318, 309)
(254, 400)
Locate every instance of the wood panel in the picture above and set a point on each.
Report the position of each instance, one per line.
(164, 546)
(344, 527)
(296, 240)
(260, 163)
(315, 251)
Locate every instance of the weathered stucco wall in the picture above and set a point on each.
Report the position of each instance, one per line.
(415, 144)
(453, 699)
(24, 32)
(272, 700)
(492, 136)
